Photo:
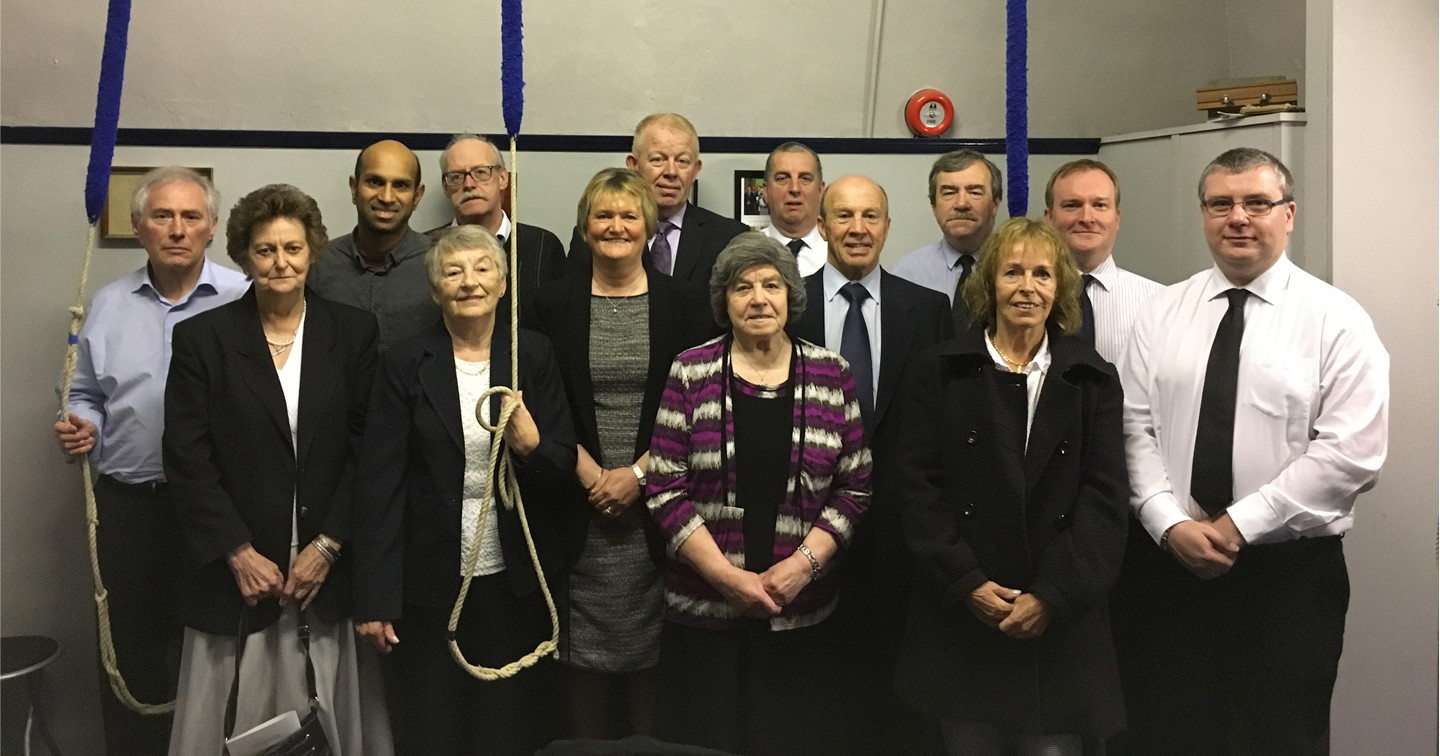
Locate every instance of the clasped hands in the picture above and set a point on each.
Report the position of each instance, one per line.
(1207, 548)
(259, 578)
(763, 595)
(1020, 615)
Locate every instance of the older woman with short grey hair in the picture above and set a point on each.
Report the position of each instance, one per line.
(420, 489)
(758, 474)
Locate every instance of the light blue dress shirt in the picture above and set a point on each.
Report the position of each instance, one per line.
(122, 362)
(837, 307)
(934, 266)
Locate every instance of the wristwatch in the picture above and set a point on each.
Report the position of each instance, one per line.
(639, 474)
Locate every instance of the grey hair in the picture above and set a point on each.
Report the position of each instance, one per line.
(164, 175)
(456, 238)
(744, 252)
(1242, 159)
(793, 147)
(458, 138)
(959, 160)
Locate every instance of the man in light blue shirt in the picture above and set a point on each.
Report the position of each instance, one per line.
(117, 417)
(965, 193)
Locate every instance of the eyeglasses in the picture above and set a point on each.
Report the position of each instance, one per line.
(481, 174)
(1255, 207)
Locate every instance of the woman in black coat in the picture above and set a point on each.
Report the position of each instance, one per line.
(1015, 506)
(420, 488)
(264, 409)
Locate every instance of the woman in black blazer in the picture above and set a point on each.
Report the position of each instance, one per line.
(264, 409)
(419, 491)
(615, 332)
(1015, 510)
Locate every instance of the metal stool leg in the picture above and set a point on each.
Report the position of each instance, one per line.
(37, 718)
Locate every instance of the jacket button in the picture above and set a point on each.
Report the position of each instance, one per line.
(1064, 446)
(969, 510)
(973, 438)
(304, 511)
(1062, 519)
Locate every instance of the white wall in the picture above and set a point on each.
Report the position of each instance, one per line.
(1383, 78)
(737, 67)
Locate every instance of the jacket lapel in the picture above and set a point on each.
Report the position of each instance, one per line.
(437, 382)
(257, 367)
(692, 239)
(1060, 399)
(897, 331)
(574, 333)
(320, 371)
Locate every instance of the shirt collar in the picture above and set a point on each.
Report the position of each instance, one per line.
(832, 280)
(1269, 286)
(678, 219)
(1107, 274)
(205, 284)
(1040, 364)
(952, 256)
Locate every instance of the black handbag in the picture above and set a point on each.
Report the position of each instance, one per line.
(310, 739)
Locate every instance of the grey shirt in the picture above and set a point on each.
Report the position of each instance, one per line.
(398, 292)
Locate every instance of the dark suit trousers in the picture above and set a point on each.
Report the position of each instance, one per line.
(1242, 664)
(443, 711)
(140, 548)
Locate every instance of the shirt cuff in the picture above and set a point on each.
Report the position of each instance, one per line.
(1256, 520)
(1159, 513)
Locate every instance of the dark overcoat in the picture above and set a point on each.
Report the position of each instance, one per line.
(1049, 519)
(235, 475)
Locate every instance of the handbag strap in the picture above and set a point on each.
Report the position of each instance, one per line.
(302, 630)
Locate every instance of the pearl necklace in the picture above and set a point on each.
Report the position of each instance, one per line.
(277, 347)
(484, 367)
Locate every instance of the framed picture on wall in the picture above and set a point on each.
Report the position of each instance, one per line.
(750, 207)
(115, 219)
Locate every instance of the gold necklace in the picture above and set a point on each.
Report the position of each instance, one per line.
(614, 307)
(276, 347)
(1015, 367)
(764, 374)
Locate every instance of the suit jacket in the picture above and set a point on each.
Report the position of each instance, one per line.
(233, 471)
(410, 482)
(541, 259)
(1050, 519)
(702, 236)
(912, 319)
(562, 312)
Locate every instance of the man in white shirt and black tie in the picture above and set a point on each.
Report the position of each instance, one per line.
(793, 184)
(1256, 404)
(1082, 202)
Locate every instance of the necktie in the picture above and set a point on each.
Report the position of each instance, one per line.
(1087, 312)
(855, 348)
(661, 259)
(796, 245)
(1212, 482)
(957, 302)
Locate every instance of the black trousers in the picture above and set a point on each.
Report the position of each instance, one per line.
(1242, 664)
(444, 711)
(140, 548)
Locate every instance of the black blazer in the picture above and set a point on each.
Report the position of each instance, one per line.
(562, 312)
(232, 469)
(410, 480)
(541, 259)
(702, 236)
(912, 319)
(1049, 520)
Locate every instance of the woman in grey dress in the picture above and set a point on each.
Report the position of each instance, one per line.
(615, 333)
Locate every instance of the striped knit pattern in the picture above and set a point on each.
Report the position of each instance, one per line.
(687, 487)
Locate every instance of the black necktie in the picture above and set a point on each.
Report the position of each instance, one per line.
(957, 301)
(1212, 482)
(855, 348)
(1087, 312)
(796, 245)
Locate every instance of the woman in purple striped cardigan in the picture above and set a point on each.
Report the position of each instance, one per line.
(758, 473)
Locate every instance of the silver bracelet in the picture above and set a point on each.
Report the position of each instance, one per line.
(814, 563)
(328, 551)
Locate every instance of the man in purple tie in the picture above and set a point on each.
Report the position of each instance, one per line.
(666, 151)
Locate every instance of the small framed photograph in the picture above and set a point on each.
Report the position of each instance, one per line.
(750, 207)
(115, 220)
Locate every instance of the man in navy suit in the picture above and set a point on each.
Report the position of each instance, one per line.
(666, 151)
(895, 320)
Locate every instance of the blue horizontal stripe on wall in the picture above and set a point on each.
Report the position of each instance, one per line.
(354, 140)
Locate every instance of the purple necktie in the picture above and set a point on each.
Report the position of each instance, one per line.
(661, 258)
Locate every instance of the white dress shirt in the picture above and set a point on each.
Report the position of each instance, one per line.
(837, 307)
(1311, 408)
(812, 256)
(1117, 297)
(934, 266)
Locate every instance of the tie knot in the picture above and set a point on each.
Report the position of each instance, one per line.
(966, 263)
(796, 245)
(1087, 279)
(1237, 297)
(854, 292)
